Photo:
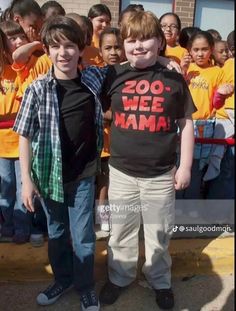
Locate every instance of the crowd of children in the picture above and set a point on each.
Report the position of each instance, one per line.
(90, 115)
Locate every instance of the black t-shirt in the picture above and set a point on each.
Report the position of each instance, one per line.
(145, 105)
(77, 128)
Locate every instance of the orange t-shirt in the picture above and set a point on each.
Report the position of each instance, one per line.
(91, 55)
(38, 66)
(176, 53)
(9, 106)
(203, 82)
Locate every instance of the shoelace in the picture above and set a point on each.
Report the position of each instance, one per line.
(89, 299)
(54, 290)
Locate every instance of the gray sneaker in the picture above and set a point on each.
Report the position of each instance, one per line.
(51, 294)
(89, 301)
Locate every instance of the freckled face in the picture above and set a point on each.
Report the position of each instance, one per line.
(141, 53)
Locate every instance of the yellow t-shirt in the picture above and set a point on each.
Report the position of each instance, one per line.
(9, 106)
(176, 53)
(203, 82)
(228, 70)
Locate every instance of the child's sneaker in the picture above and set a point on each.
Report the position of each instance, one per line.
(165, 298)
(37, 240)
(51, 294)
(89, 301)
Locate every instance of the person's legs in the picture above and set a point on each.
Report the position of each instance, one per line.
(123, 245)
(157, 202)
(80, 198)
(59, 245)
(21, 216)
(7, 195)
(59, 251)
(125, 223)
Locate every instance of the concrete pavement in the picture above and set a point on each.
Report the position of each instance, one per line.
(202, 271)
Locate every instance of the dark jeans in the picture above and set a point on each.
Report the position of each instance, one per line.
(71, 234)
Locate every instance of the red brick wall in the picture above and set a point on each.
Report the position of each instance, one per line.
(114, 6)
(185, 10)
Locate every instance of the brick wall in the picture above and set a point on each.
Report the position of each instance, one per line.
(114, 6)
(185, 10)
(82, 7)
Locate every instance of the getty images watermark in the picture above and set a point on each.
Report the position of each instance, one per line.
(202, 228)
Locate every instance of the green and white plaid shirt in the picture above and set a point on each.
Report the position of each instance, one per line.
(38, 120)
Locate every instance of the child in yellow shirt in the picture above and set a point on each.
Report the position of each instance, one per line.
(15, 218)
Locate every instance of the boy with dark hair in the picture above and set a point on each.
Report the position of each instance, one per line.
(29, 15)
(60, 128)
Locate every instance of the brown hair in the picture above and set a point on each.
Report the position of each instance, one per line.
(61, 27)
(11, 28)
(142, 25)
(2, 48)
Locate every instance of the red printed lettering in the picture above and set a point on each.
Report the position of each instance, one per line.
(161, 124)
(129, 87)
(119, 119)
(144, 103)
(142, 87)
(130, 103)
(157, 87)
(156, 104)
(147, 122)
(131, 122)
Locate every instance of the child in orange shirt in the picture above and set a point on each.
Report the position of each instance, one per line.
(15, 219)
(100, 16)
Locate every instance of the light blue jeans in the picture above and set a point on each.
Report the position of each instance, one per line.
(71, 244)
(15, 217)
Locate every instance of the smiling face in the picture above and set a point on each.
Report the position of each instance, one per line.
(201, 52)
(100, 23)
(65, 56)
(141, 53)
(111, 49)
(171, 29)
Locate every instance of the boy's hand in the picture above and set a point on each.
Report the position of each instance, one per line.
(226, 89)
(182, 178)
(29, 191)
(32, 34)
(174, 65)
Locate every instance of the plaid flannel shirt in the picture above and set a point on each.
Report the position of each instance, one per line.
(38, 120)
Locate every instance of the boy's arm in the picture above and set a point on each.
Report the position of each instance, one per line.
(183, 173)
(23, 53)
(29, 190)
(224, 91)
(169, 63)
